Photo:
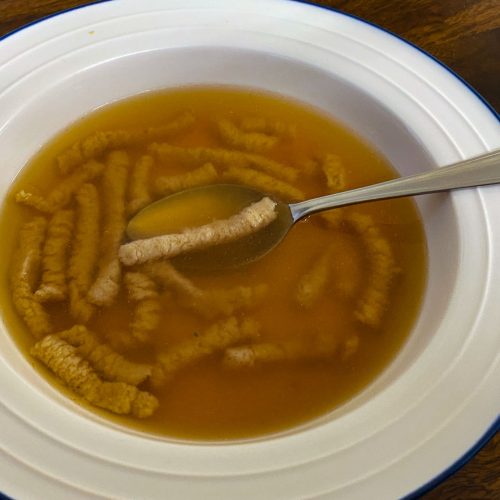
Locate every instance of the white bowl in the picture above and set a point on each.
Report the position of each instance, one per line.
(435, 401)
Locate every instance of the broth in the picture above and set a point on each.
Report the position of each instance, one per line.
(313, 298)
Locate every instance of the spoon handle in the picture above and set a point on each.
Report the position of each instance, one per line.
(478, 171)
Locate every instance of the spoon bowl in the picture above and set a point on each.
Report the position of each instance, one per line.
(202, 205)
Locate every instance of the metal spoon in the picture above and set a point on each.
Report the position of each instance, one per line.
(201, 205)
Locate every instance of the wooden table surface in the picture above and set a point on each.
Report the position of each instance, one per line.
(465, 35)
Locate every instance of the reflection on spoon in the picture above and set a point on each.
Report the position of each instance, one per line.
(204, 205)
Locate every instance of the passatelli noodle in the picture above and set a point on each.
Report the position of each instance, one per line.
(83, 260)
(263, 182)
(63, 359)
(337, 269)
(206, 174)
(250, 220)
(25, 274)
(114, 184)
(207, 303)
(312, 285)
(223, 158)
(107, 363)
(375, 297)
(214, 354)
(98, 143)
(308, 166)
(350, 346)
(309, 346)
(53, 286)
(336, 181)
(334, 172)
(347, 265)
(255, 142)
(143, 292)
(168, 277)
(139, 191)
(270, 127)
(216, 338)
(62, 194)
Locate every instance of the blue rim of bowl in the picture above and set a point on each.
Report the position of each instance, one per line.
(495, 427)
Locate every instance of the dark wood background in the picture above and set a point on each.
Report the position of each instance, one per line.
(465, 35)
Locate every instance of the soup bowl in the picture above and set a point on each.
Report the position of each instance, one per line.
(440, 395)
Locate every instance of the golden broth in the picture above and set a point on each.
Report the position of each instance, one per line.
(208, 400)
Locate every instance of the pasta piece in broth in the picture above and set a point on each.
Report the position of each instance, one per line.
(98, 143)
(25, 274)
(255, 142)
(65, 362)
(105, 361)
(83, 258)
(139, 186)
(143, 292)
(53, 286)
(216, 338)
(114, 184)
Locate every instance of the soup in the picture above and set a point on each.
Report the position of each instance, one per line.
(220, 354)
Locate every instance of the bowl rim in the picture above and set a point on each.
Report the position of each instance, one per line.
(305, 2)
